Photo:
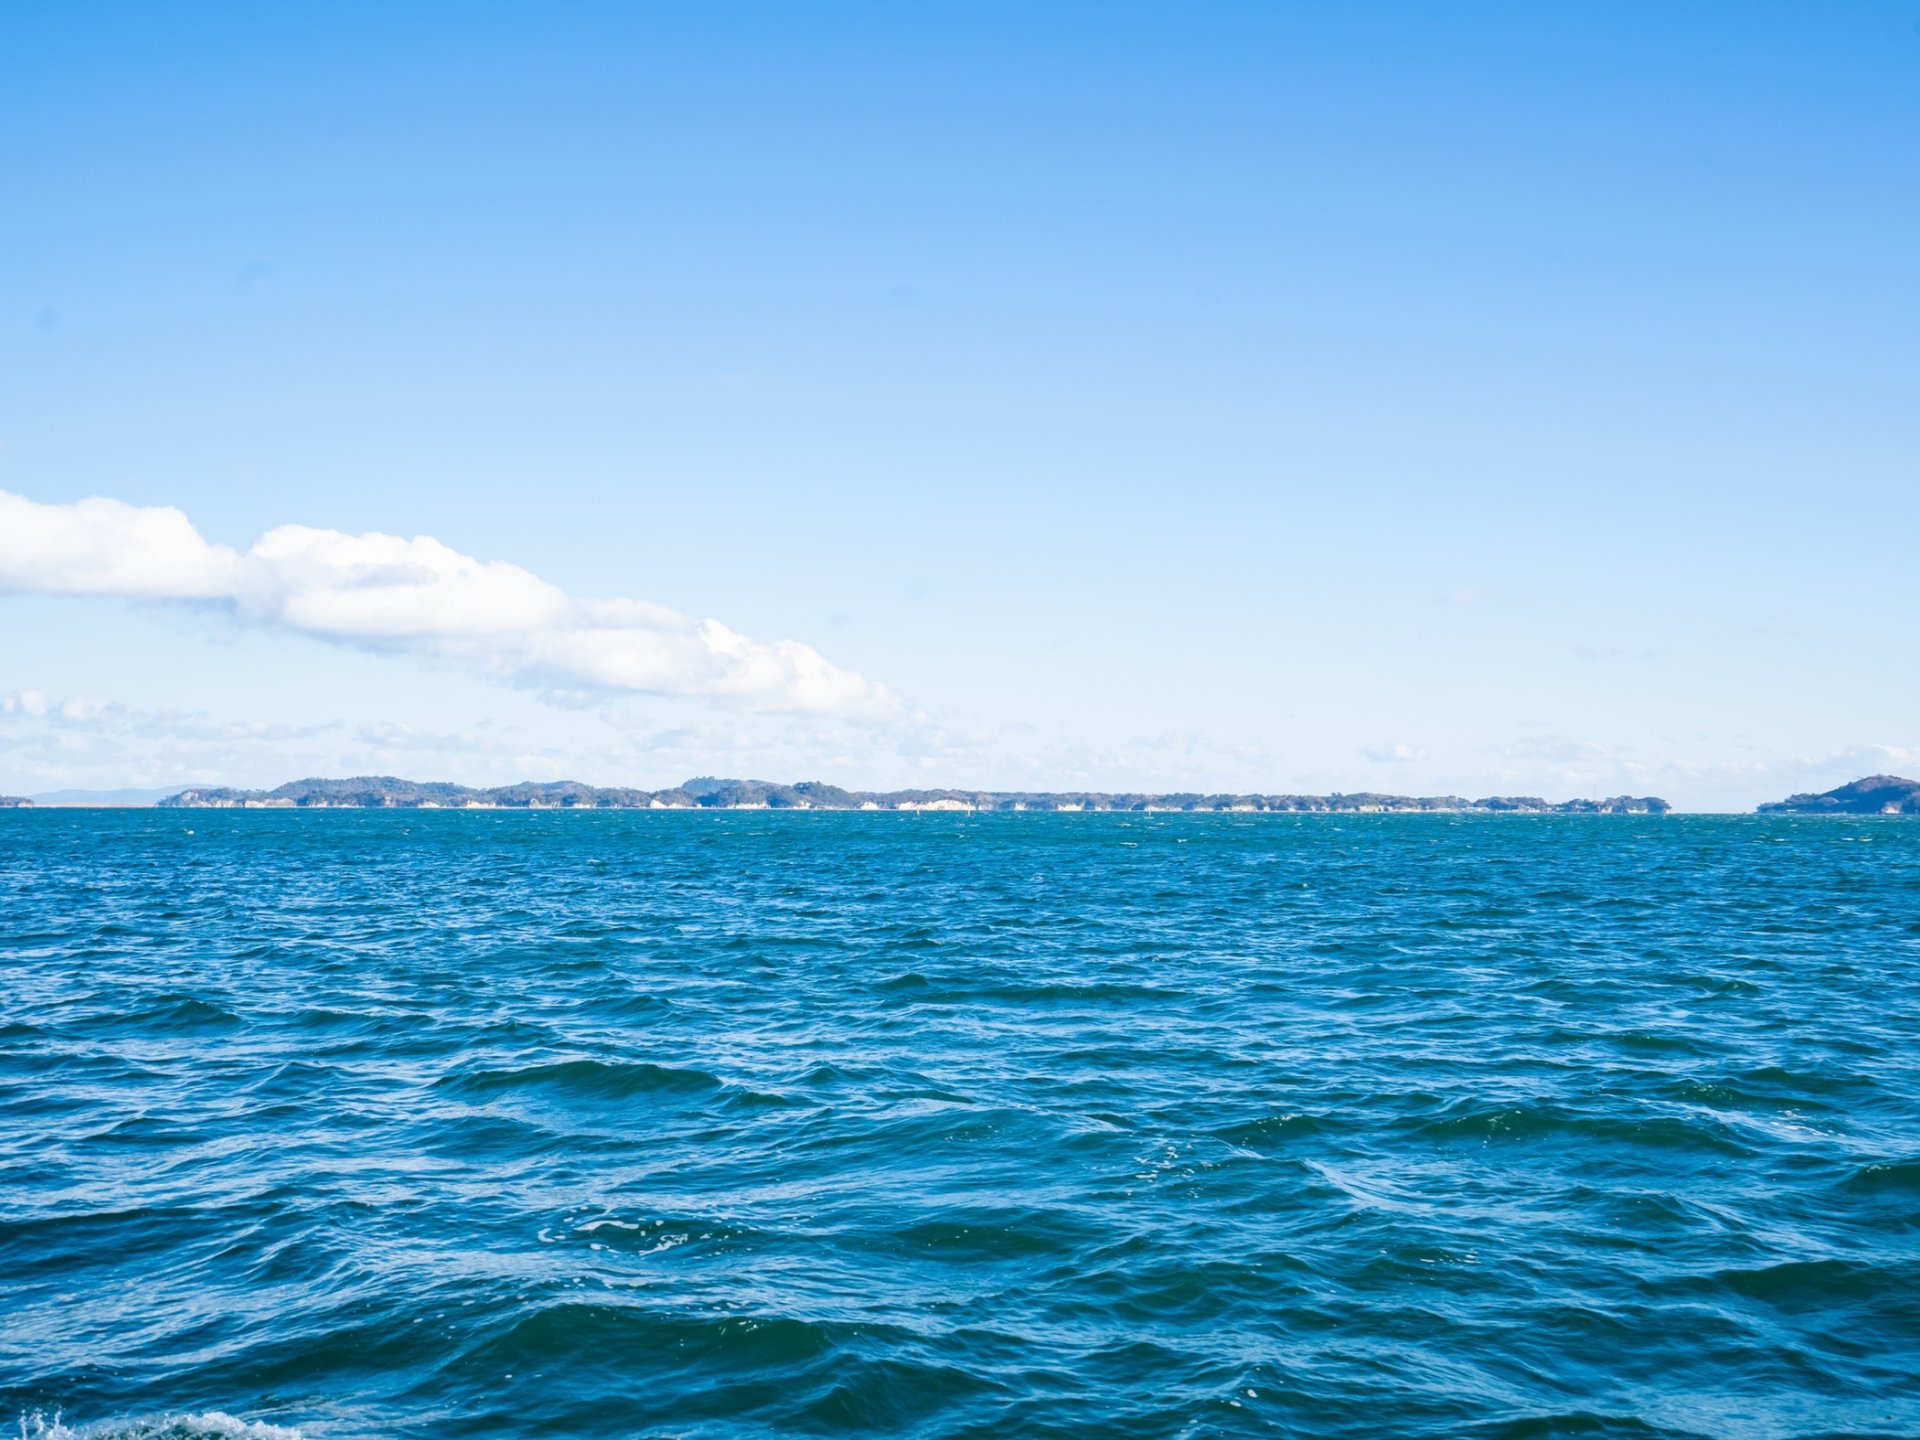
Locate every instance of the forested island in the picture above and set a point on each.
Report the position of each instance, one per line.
(709, 793)
(1874, 795)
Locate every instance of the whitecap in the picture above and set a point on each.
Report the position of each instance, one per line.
(205, 1425)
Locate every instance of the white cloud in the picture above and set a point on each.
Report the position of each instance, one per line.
(108, 547)
(421, 598)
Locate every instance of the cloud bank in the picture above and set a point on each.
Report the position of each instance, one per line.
(421, 598)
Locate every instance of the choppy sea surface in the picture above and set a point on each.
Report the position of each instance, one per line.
(744, 1125)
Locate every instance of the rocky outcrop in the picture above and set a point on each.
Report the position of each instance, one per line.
(1874, 795)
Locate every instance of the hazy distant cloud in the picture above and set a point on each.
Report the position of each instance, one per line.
(1555, 748)
(419, 597)
(1394, 754)
(1858, 760)
(34, 711)
(50, 741)
(75, 710)
(1891, 754)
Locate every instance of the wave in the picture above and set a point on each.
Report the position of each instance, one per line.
(1828, 1284)
(174, 1013)
(1476, 1120)
(914, 988)
(1583, 1423)
(584, 1080)
(655, 1237)
(1270, 1129)
(582, 1333)
(1886, 1175)
(1011, 1234)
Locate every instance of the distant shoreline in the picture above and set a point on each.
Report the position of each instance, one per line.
(710, 793)
(1884, 795)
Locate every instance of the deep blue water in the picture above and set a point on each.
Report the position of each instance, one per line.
(744, 1125)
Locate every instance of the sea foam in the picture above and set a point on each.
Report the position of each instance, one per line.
(203, 1425)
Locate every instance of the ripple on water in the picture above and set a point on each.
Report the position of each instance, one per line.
(733, 1126)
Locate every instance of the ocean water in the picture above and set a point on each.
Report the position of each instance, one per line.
(743, 1125)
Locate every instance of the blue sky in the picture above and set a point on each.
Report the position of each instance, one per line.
(1478, 398)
